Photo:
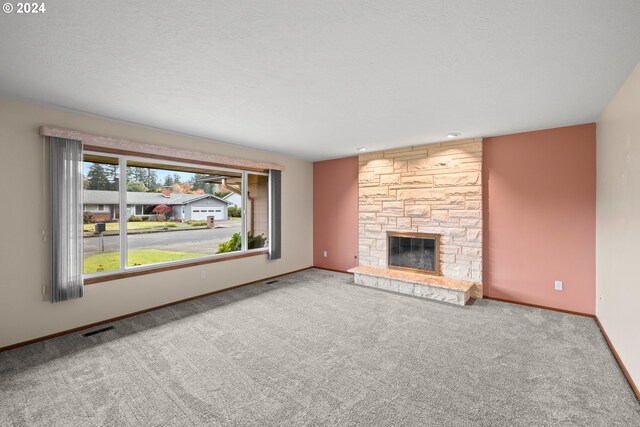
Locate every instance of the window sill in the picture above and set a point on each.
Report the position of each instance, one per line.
(151, 270)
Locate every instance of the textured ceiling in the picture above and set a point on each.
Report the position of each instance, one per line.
(318, 79)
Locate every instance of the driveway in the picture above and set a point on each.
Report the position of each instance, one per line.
(203, 241)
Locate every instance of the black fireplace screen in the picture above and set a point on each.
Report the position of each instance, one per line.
(413, 252)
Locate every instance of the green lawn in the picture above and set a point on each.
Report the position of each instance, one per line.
(111, 260)
(144, 225)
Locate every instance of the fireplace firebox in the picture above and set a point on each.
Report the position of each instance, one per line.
(417, 252)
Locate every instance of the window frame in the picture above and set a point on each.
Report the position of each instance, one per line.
(129, 271)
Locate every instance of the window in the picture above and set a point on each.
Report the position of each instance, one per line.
(101, 246)
(158, 213)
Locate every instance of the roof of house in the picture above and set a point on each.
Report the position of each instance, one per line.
(228, 196)
(96, 197)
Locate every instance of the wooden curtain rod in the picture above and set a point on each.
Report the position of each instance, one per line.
(125, 146)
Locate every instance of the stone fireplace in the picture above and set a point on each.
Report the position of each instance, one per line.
(427, 190)
(418, 252)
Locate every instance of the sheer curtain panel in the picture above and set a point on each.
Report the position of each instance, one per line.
(66, 219)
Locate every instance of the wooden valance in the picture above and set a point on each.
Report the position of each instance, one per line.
(123, 146)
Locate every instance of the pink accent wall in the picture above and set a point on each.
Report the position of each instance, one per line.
(335, 213)
(540, 217)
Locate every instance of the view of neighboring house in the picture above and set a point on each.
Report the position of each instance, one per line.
(103, 205)
(234, 199)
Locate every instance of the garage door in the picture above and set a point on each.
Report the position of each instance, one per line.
(202, 212)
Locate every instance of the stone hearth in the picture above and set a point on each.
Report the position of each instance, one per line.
(416, 284)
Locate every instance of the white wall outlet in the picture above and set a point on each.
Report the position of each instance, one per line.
(203, 274)
(325, 254)
(558, 285)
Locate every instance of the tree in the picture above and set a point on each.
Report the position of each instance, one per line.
(176, 178)
(152, 180)
(112, 174)
(137, 186)
(134, 173)
(182, 188)
(168, 181)
(146, 176)
(196, 184)
(98, 178)
(162, 209)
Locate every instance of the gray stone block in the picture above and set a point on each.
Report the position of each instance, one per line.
(387, 284)
(405, 287)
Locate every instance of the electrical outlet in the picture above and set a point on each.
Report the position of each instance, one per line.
(203, 274)
(325, 254)
(558, 285)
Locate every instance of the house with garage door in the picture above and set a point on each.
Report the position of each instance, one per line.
(199, 207)
(103, 205)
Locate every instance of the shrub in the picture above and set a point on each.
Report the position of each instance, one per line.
(235, 244)
(145, 217)
(234, 212)
(231, 245)
(86, 217)
(134, 218)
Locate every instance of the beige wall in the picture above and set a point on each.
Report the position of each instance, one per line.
(618, 223)
(24, 260)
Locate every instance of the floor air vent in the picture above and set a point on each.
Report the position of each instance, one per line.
(271, 281)
(98, 331)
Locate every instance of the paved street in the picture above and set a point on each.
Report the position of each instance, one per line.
(204, 241)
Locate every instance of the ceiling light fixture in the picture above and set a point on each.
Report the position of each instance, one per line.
(453, 135)
(362, 149)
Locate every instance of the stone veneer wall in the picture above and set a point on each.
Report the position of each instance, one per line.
(434, 188)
